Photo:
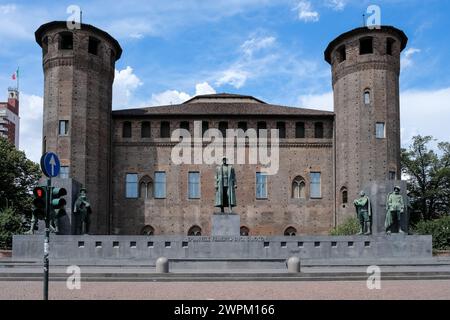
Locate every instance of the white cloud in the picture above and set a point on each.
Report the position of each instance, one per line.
(255, 44)
(204, 88)
(407, 57)
(169, 97)
(31, 109)
(125, 83)
(337, 5)
(306, 12)
(320, 101)
(233, 76)
(7, 8)
(421, 112)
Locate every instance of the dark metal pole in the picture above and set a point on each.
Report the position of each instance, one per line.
(47, 236)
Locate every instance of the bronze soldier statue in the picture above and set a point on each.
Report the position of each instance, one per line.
(225, 186)
(82, 211)
(364, 213)
(395, 208)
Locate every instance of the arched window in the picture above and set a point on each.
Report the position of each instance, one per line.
(298, 188)
(147, 231)
(145, 187)
(344, 195)
(126, 129)
(244, 231)
(195, 231)
(290, 232)
(367, 97)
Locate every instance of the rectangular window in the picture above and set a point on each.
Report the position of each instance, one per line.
(145, 129)
(165, 129)
(184, 125)
(392, 175)
(380, 130)
(300, 130)
(318, 130)
(315, 186)
(160, 185)
(261, 185)
(93, 45)
(242, 125)
(194, 185)
(63, 127)
(64, 172)
(223, 126)
(281, 126)
(205, 127)
(131, 188)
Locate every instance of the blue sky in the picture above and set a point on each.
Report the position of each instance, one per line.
(272, 50)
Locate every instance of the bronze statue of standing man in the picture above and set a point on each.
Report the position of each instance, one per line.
(364, 213)
(395, 208)
(82, 211)
(225, 186)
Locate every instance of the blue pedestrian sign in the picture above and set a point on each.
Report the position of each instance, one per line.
(50, 164)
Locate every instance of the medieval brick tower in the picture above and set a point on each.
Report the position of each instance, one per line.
(79, 69)
(365, 67)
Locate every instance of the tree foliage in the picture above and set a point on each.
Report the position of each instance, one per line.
(349, 227)
(10, 223)
(428, 175)
(18, 177)
(439, 229)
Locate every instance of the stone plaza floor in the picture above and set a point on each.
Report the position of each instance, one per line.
(273, 290)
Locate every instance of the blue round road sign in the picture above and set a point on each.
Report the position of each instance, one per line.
(50, 164)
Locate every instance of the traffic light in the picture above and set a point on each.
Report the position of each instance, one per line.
(58, 203)
(39, 202)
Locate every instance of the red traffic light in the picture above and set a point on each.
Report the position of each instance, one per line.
(39, 192)
(39, 198)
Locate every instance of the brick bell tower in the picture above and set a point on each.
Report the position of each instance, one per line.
(365, 72)
(79, 69)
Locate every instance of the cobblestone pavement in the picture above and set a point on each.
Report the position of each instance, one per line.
(298, 290)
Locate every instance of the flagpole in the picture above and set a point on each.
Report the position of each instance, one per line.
(17, 79)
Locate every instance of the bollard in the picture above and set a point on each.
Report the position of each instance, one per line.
(293, 265)
(162, 265)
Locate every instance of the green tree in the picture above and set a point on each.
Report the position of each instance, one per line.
(10, 223)
(18, 177)
(428, 175)
(349, 227)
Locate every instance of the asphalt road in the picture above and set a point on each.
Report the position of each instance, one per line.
(302, 290)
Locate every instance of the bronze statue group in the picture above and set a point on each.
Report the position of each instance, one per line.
(395, 208)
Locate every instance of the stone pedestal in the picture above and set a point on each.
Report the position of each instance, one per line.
(378, 192)
(226, 224)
